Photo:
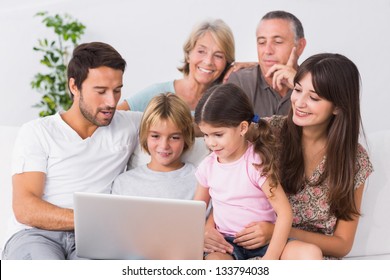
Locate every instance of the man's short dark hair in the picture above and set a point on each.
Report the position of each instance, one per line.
(297, 25)
(93, 55)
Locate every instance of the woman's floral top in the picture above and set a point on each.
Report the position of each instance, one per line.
(310, 205)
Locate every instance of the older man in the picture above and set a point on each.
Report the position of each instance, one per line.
(280, 42)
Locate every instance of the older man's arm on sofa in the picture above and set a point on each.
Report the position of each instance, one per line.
(29, 207)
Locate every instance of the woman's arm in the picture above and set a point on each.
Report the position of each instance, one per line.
(279, 202)
(234, 67)
(123, 106)
(340, 243)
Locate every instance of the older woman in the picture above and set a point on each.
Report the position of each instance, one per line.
(208, 53)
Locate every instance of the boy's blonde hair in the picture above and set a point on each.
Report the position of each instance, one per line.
(167, 106)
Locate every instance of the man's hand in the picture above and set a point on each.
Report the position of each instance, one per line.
(235, 66)
(283, 75)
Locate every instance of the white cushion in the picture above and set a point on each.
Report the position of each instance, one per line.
(373, 233)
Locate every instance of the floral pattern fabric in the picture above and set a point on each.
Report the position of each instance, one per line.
(311, 210)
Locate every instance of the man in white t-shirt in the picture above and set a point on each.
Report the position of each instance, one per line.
(82, 149)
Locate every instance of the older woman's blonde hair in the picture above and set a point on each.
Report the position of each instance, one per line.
(167, 106)
(221, 33)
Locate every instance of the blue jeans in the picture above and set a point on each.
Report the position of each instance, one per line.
(240, 253)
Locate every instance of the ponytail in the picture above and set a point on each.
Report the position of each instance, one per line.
(265, 145)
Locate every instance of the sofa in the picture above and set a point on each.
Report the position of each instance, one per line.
(372, 239)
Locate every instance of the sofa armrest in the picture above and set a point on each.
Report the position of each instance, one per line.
(7, 140)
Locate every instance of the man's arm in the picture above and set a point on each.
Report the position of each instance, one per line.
(29, 207)
(234, 67)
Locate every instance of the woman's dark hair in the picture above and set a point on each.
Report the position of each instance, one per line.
(336, 79)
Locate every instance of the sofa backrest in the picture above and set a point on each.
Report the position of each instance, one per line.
(373, 233)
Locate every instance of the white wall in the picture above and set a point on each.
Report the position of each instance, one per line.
(150, 33)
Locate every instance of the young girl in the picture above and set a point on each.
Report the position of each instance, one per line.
(240, 177)
(323, 167)
(166, 132)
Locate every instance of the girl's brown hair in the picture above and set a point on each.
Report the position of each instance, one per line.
(226, 105)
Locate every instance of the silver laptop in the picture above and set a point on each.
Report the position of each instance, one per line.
(128, 227)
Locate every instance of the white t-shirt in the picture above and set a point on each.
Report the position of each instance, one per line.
(142, 181)
(73, 164)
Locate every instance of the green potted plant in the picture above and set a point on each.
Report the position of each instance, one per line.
(52, 85)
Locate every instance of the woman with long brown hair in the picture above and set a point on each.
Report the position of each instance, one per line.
(322, 166)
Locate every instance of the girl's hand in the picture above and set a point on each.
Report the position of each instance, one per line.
(255, 235)
(215, 242)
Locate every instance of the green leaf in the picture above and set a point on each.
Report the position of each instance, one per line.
(55, 52)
